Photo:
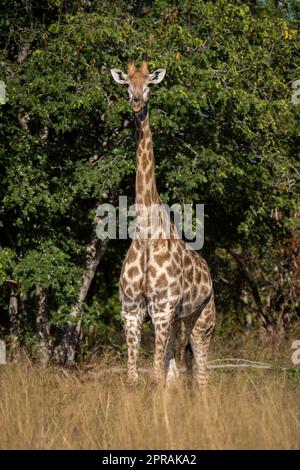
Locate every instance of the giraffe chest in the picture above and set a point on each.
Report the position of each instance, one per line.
(151, 271)
(160, 274)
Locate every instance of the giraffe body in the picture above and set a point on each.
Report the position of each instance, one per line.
(161, 276)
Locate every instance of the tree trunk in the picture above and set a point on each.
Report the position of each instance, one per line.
(42, 326)
(137, 11)
(262, 316)
(13, 310)
(66, 351)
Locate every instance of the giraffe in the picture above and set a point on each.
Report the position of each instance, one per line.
(161, 275)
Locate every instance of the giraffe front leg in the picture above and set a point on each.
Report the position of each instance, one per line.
(132, 326)
(162, 326)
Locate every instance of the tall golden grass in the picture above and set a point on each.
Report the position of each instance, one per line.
(50, 409)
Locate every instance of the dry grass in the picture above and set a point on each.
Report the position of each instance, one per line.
(47, 409)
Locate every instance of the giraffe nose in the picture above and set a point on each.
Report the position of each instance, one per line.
(137, 99)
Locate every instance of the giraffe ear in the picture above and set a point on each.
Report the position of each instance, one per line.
(157, 76)
(119, 76)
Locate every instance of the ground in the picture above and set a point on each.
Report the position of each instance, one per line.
(85, 409)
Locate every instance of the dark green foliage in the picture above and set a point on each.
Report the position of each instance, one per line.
(225, 134)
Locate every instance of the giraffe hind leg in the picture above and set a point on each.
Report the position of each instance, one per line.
(172, 372)
(183, 341)
(200, 339)
(178, 349)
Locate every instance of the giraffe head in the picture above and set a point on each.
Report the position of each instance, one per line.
(138, 81)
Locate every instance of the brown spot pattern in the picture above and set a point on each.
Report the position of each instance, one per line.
(132, 272)
(161, 258)
(162, 280)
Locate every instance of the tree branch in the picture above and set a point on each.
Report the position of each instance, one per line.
(250, 307)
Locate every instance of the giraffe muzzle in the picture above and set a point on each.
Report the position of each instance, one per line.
(137, 103)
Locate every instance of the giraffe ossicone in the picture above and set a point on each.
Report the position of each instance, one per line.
(161, 276)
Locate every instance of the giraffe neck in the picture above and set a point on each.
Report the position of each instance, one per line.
(153, 221)
(145, 183)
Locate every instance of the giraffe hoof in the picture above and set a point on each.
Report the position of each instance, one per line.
(132, 381)
(157, 380)
(202, 386)
(172, 374)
